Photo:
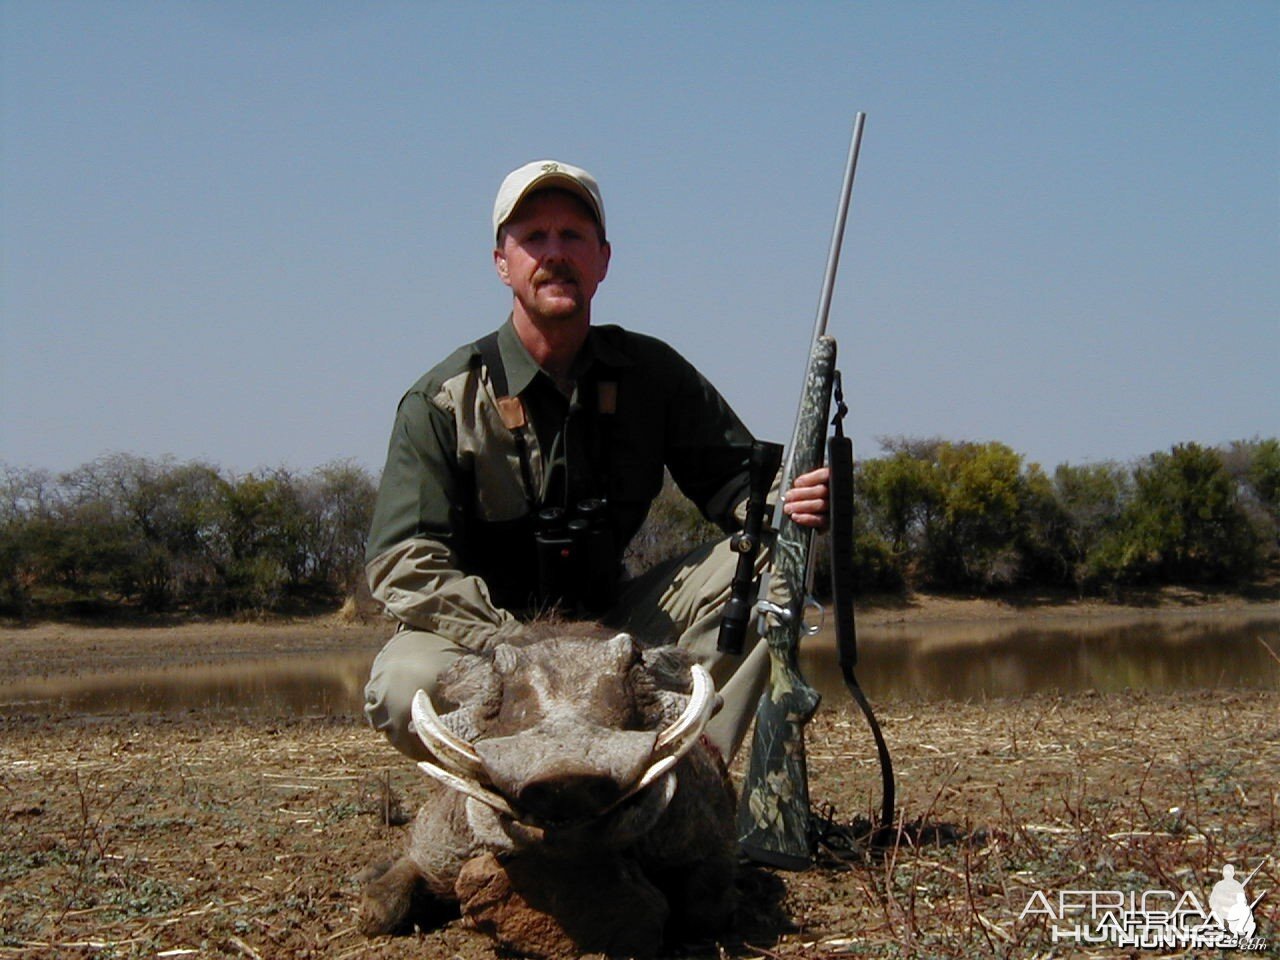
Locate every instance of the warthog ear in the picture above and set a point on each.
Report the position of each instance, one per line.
(466, 679)
(669, 667)
(505, 659)
(623, 648)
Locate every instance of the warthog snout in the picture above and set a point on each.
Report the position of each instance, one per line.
(566, 772)
(563, 795)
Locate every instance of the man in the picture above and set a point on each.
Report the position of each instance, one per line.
(553, 412)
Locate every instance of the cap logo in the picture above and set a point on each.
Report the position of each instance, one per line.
(550, 167)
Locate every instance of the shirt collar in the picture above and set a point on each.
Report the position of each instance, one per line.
(522, 369)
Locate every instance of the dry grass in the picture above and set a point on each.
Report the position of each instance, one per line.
(189, 836)
(1115, 793)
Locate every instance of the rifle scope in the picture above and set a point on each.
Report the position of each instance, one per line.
(740, 607)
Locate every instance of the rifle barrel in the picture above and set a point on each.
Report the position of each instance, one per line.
(837, 232)
(828, 287)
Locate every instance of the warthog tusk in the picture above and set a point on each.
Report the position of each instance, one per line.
(469, 788)
(689, 725)
(653, 773)
(449, 749)
(681, 735)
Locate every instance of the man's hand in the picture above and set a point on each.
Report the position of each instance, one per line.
(807, 501)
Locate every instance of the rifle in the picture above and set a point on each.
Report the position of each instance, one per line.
(774, 812)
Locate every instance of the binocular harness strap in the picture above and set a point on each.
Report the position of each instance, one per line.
(511, 410)
(515, 419)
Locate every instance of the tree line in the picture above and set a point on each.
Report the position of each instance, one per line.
(127, 532)
(977, 517)
(939, 515)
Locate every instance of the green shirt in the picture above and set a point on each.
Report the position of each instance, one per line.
(451, 540)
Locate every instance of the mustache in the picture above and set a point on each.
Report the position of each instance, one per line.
(554, 272)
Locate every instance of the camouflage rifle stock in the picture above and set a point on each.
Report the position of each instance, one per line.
(773, 812)
(773, 816)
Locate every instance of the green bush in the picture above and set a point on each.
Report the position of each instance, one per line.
(1184, 523)
(674, 526)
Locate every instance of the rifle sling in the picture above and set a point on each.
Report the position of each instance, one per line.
(840, 461)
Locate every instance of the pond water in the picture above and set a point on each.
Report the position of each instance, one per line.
(984, 660)
(970, 661)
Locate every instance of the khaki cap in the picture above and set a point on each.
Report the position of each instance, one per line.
(543, 175)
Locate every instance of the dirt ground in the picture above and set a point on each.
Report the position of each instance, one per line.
(181, 834)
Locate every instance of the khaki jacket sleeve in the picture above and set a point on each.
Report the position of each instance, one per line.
(418, 584)
(410, 565)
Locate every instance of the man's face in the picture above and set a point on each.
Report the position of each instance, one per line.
(551, 257)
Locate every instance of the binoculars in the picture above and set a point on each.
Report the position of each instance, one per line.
(577, 565)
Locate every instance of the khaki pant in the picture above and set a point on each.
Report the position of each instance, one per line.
(680, 599)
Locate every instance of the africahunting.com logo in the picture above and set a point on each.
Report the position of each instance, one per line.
(1154, 919)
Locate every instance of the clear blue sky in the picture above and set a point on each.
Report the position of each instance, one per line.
(239, 230)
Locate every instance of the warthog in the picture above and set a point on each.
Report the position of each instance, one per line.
(574, 804)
